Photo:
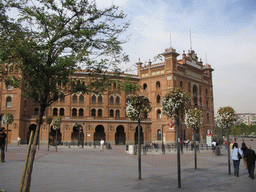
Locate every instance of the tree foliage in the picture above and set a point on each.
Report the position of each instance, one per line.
(137, 107)
(226, 117)
(175, 103)
(51, 39)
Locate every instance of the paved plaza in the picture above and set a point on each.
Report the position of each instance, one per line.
(89, 169)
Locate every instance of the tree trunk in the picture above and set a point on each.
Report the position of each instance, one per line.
(178, 151)
(26, 161)
(26, 187)
(195, 148)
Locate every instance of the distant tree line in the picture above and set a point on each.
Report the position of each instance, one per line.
(238, 130)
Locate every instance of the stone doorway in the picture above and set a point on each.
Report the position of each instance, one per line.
(141, 136)
(120, 137)
(99, 134)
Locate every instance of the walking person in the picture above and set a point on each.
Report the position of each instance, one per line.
(101, 144)
(244, 149)
(2, 143)
(235, 157)
(18, 141)
(250, 160)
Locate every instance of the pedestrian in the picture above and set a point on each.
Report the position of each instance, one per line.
(214, 145)
(2, 143)
(244, 149)
(101, 144)
(250, 160)
(226, 145)
(18, 141)
(235, 157)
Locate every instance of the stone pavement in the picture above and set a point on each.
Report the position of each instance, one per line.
(89, 169)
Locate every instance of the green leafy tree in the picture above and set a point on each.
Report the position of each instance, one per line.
(49, 40)
(226, 119)
(174, 105)
(137, 108)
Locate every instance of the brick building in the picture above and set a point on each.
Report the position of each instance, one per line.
(91, 117)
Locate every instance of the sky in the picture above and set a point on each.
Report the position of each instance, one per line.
(222, 34)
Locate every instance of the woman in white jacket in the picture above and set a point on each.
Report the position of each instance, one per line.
(236, 161)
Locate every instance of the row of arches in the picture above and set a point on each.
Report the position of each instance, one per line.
(94, 98)
(80, 112)
(78, 134)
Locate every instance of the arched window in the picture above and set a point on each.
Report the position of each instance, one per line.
(93, 112)
(74, 112)
(74, 98)
(158, 99)
(117, 113)
(36, 111)
(81, 112)
(159, 134)
(208, 117)
(157, 84)
(195, 95)
(62, 98)
(117, 100)
(25, 105)
(93, 99)
(206, 92)
(181, 84)
(145, 86)
(81, 99)
(111, 99)
(158, 114)
(111, 113)
(62, 111)
(100, 99)
(100, 113)
(8, 102)
(207, 104)
(55, 112)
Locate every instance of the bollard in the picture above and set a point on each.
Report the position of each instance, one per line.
(144, 150)
(217, 151)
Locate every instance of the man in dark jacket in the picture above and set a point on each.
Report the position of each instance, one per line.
(2, 143)
(250, 160)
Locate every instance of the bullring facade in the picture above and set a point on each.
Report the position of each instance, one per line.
(91, 117)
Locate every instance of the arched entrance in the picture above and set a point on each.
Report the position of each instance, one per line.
(52, 136)
(120, 135)
(78, 133)
(99, 133)
(31, 127)
(141, 136)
